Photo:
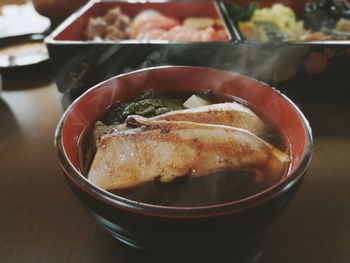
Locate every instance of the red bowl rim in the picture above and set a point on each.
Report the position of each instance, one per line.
(237, 206)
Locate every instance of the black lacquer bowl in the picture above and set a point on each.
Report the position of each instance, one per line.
(172, 229)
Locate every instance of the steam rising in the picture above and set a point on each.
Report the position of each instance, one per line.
(271, 62)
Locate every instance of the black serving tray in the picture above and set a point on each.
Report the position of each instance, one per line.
(295, 68)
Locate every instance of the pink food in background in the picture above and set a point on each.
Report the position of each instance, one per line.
(182, 33)
(145, 23)
(154, 26)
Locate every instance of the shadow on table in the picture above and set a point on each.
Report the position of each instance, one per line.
(328, 115)
(27, 83)
(110, 248)
(8, 122)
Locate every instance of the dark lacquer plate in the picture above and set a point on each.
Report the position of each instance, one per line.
(22, 56)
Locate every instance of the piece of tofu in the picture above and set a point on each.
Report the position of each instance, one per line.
(195, 101)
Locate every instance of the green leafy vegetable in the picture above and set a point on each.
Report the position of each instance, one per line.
(242, 13)
(146, 104)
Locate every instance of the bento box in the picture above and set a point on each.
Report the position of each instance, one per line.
(300, 47)
(82, 56)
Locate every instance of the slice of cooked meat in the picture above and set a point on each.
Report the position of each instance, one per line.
(229, 114)
(169, 149)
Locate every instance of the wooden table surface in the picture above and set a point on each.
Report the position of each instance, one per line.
(41, 221)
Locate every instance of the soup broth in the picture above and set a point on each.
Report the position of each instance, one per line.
(210, 189)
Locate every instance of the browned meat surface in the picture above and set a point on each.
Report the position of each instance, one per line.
(165, 150)
(229, 114)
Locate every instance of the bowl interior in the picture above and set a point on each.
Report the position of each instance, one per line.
(275, 106)
(73, 29)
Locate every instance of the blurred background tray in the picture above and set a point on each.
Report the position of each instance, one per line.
(295, 67)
